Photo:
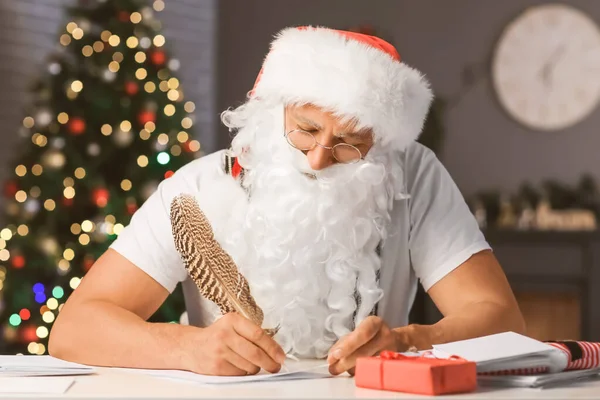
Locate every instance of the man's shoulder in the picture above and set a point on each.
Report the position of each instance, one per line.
(416, 154)
(190, 176)
(206, 164)
(419, 160)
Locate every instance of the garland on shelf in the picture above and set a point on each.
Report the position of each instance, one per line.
(552, 205)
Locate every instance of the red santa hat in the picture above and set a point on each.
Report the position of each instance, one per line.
(351, 74)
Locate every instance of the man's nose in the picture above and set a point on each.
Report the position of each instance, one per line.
(319, 158)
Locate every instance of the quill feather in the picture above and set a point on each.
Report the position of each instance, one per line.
(208, 264)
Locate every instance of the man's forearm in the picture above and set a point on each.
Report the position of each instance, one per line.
(476, 320)
(106, 335)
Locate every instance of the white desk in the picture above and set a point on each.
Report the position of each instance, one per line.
(118, 384)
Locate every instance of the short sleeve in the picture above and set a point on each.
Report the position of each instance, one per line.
(443, 232)
(147, 241)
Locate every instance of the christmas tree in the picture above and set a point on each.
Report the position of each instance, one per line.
(108, 121)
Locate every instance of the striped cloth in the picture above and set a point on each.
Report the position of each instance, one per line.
(581, 355)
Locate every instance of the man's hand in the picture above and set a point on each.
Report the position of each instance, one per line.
(370, 337)
(233, 345)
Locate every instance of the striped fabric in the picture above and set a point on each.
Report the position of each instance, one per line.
(582, 355)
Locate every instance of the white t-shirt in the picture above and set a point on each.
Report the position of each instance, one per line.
(437, 233)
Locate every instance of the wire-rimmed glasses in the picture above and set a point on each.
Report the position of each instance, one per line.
(343, 152)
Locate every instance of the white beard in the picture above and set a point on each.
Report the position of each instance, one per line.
(306, 245)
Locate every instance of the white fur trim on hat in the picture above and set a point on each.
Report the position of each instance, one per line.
(349, 78)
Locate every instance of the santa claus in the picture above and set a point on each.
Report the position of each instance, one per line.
(328, 207)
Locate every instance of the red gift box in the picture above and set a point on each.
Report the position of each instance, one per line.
(418, 375)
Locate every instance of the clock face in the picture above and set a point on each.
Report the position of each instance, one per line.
(546, 68)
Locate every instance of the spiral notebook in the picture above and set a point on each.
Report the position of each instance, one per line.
(540, 380)
(508, 351)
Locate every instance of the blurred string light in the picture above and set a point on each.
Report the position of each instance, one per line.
(141, 74)
(140, 57)
(87, 50)
(169, 110)
(77, 33)
(189, 106)
(135, 17)
(163, 158)
(182, 137)
(145, 42)
(186, 123)
(158, 5)
(144, 134)
(28, 122)
(114, 40)
(71, 26)
(194, 145)
(98, 46)
(159, 40)
(150, 87)
(163, 74)
(132, 42)
(142, 161)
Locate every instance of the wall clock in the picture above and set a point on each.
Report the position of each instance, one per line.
(546, 67)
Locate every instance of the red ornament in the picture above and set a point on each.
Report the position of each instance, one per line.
(76, 126)
(28, 334)
(168, 174)
(124, 16)
(131, 208)
(10, 189)
(67, 202)
(146, 116)
(88, 262)
(18, 261)
(158, 57)
(25, 314)
(100, 197)
(131, 88)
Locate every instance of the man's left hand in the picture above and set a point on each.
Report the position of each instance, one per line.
(369, 338)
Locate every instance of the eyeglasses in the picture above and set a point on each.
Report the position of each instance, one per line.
(343, 152)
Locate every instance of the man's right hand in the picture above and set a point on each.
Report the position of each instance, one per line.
(233, 345)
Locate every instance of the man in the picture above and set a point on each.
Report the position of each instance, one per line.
(329, 208)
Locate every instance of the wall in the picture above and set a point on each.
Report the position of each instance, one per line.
(29, 31)
(484, 148)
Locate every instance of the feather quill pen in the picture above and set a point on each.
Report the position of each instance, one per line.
(208, 264)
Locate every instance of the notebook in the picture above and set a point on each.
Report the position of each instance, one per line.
(506, 352)
(30, 365)
(540, 380)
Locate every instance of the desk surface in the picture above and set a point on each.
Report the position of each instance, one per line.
(117, 384)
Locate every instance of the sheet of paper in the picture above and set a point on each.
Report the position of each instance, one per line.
(42, 385)
(291, 370)
(493, 348)
(29, 365)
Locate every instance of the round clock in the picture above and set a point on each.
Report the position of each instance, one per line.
(546, 67)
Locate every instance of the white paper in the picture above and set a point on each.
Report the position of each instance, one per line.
(55, 385)
(494, 348)
(291, 370)
(30, 365)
